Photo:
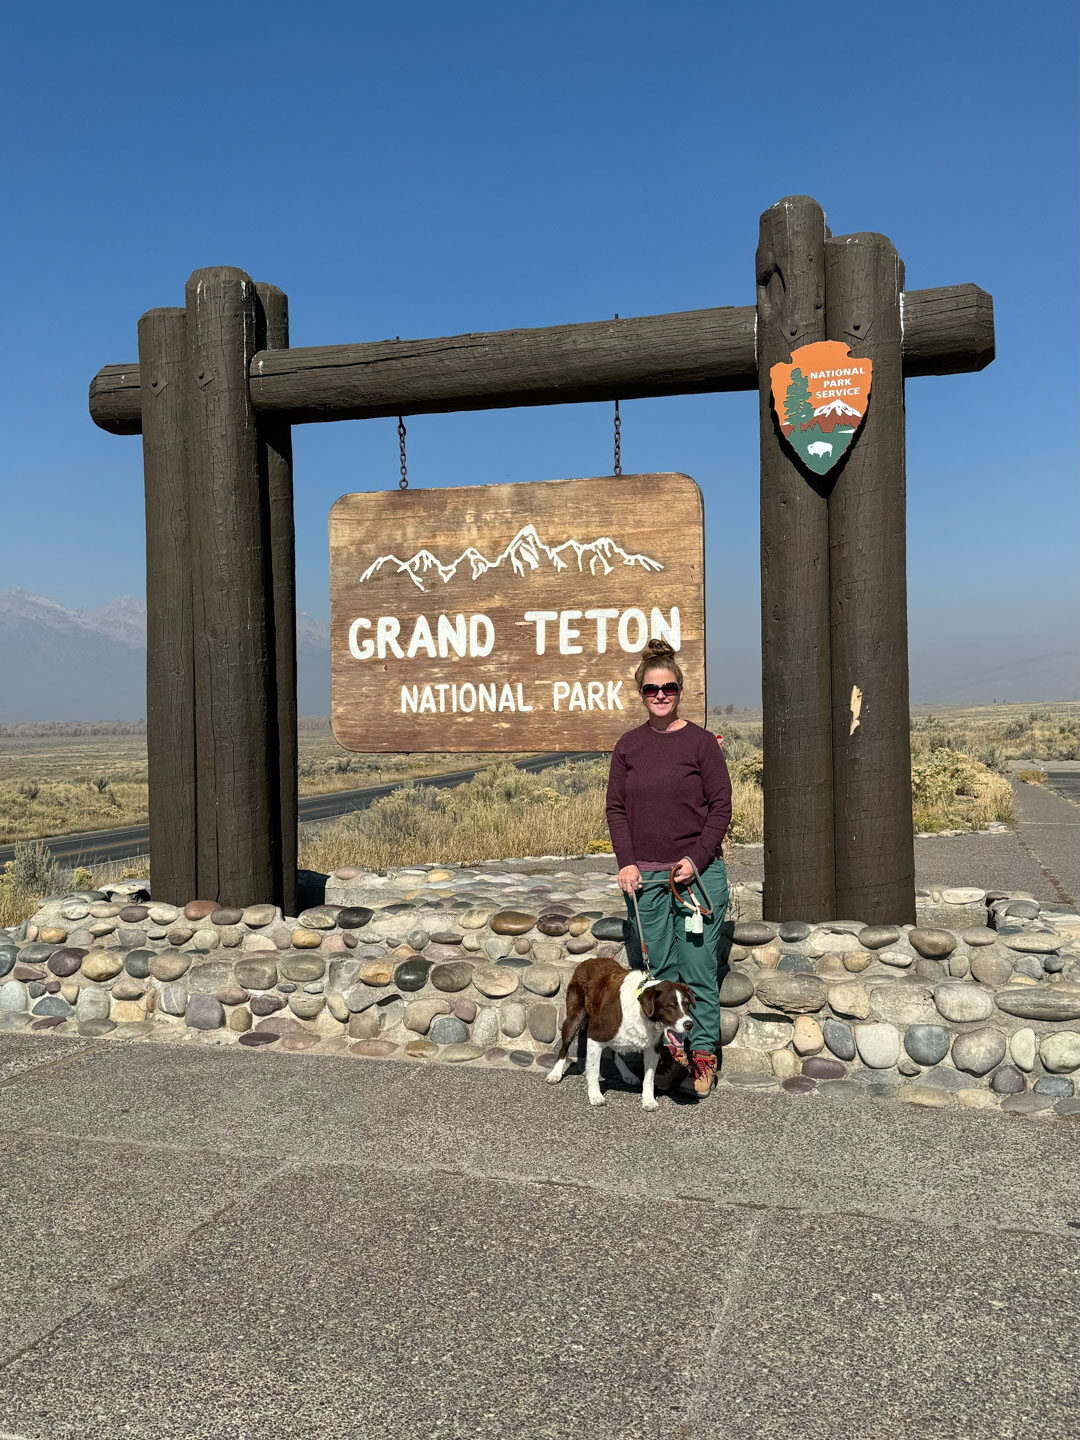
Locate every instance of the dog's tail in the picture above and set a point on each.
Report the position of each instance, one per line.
(575, 1014)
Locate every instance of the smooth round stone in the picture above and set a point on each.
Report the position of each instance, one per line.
(496, 947)
(926, 1044)
(379, 972)
(961, 1001)
(204, 1012)
(207, 977)
(878, 1044)
(1032, 942)
(831, 942)
(838, 1038)
(1023, 1047)
(580, 945)
(1029, 1103)
(541, 979)
(173, 999)
(543, 1021)
(102, 964)
(52, 935)
(128, 988)
(1053, 964)
(459, 1053)
(978, 1051)
(552, 925)
(286, 987)
(475, 919)
(421, 1049)
(932, 944)
(95, 1029)
(1040, 1002)
(354, 917)
(1060, 1052)
(318, 918)
(792, 931)
(512, 1019)
(851, 999)
(963, 895)
(512, 922)
(206, 940)
(1058, 1086)
(978, 935)
(302, 968)
(1022, 910)
(54, 1005)
(736, 988)
(35, 988)
(197, 909)
(496, 981)
(373, 1049)
(257, 971)
(522, 1058)
(256, 916)
(180, 934)
(104, 910)
(753, 932)
(547, 952)
(13, 997)
(446, 937)
(412, 974)
(419, 1014)
(230, 995)
(856, 960)
(465, 1010)
(807, 1036)
(796, 964)
(34, 954)
(266, 1004)
(74, 912)
(896, 958)
(255, 1038)
(137, 963)
(454, 976)
(798, 1084)
(223, 915)
(877, 937)
(612, 927)
(1008, 1080)
(578, 924)
(820, 1067)
(163, 914)
(730, 1021)
(991, 967)
(448, 1030)
(305, 1006)
(1031, 966)
(66, 962)
(795, 994)
(7, 959)
(299, 1041)
(303, 939)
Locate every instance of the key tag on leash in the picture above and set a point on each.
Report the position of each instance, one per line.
(695, 921)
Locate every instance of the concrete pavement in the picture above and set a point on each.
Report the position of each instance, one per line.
(201, 1242)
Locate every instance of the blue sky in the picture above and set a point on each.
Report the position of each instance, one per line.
(425, 169)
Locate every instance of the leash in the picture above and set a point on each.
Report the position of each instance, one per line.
(699, 909)
(641, 938)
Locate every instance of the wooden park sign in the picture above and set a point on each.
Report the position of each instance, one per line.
(511, 617)
(215, 394)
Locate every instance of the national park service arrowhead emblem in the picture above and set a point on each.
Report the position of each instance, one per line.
(820, 398)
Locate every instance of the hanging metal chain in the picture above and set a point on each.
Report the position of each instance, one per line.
(618, 434)
(403, 483)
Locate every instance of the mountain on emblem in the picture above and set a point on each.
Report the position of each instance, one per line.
(820, 398)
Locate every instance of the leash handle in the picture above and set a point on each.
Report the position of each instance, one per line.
(694, 904)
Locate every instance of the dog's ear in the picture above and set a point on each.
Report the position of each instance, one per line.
(647, 1001)
(691, 998)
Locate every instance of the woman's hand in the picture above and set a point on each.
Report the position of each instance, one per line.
(683, 871)
(629, 879)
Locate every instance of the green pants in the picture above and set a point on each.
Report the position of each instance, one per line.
(675, 955)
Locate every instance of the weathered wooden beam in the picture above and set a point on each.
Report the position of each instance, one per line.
(170, 655)
(234, 690)
(795, 681)
(875, 849)
(279, 551)
(946, 331)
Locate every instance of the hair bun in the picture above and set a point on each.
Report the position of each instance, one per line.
(658, 650)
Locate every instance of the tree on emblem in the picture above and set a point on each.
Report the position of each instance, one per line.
(798, 411)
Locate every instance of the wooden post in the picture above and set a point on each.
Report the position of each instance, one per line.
(170, 659)
(799, 882)
(275, 459)
(875, 854)
(234, 690)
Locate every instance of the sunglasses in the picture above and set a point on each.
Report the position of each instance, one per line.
(669, 691)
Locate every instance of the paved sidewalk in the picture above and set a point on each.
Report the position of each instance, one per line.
(1050, 833)
(206, 1243)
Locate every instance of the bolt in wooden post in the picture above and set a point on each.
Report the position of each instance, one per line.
(794, 584)
(275, 459)
(875, 857)
(170, 660)
(234, 689)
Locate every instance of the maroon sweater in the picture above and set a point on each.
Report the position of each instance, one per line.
(668, 795)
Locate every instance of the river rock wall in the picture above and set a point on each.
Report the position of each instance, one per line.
(977, 1004)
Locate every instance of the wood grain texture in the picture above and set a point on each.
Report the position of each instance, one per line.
(797, 728)
(875, 857)
(170, 657)
(378, 699)
(695, 352)
(276, 482)
(234, 688)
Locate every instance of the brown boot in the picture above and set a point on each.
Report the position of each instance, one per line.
(673, 1066)
(702, 1076)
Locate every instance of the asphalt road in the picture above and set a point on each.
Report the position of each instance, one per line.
(1065, 782)
(95, 847)
(214, 1244)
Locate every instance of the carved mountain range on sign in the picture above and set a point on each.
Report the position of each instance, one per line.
(525, 553)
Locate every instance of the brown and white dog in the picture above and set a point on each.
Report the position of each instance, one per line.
(625, 1011)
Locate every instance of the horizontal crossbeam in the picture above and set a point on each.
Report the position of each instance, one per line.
(946, 331)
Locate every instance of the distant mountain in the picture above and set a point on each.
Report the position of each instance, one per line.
(525, 553)
(63, 664)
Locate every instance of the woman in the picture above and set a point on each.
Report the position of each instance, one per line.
(669, 806)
